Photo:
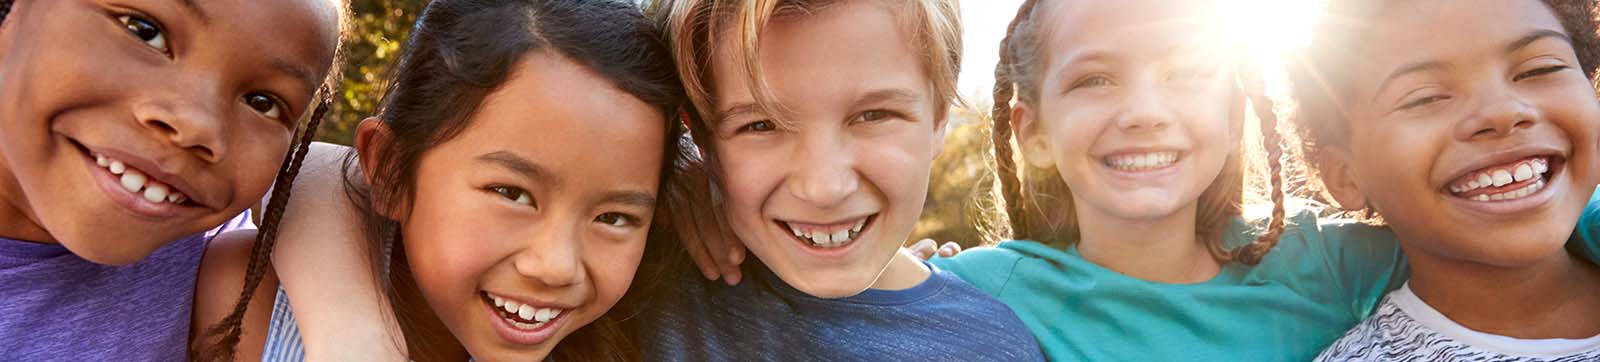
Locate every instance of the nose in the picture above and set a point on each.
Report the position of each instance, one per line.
(191, 119)
(823, 173)
(1145, 109)
(1500, 113)
(553, 257)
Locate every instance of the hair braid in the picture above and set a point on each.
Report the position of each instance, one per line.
(225, 334)
(1255, 90)
(5, 9)
(1004, 89)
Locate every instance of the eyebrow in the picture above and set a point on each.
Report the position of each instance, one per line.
(300, 73)
(1407, 69)
(199, 12)
(631, 198)
(533, 172)
(1534, 36)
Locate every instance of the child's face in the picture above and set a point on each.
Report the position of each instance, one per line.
(1472, 129)
(1133, 107)
(826, 200)
(537, 211)
(190, 105)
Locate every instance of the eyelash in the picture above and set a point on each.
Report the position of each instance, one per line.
(513, 194)
(135, 24)
(883, 114)
(1090, 81)
(768, 124)
(1538, 72)
(1423, 101)
(625, 219)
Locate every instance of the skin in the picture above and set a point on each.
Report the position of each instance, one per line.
(210, 105)
(858, 145)
(1504, 85)
(1128, 78)
(516, 205)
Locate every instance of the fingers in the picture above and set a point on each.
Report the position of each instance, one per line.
(949, 249)
(923, 249)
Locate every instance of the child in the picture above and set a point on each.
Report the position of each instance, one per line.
(1129, 121)
(507, 238)
(147, 120)
(821, 143)
(1477, 146)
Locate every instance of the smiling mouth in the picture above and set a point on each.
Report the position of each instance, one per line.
(1505, 182)
(828, 236)
(522, 316)
(136, 182)
(1140, 162)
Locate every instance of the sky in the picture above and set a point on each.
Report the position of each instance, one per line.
(985, 24)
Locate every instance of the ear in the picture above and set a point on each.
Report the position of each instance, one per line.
(1035, 147)
(372, 142)
(1338, 175)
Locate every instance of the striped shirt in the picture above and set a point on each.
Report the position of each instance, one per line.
(1406, 329)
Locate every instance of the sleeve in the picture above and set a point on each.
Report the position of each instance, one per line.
(1365, 260)
(1586, 237)
(988, 268)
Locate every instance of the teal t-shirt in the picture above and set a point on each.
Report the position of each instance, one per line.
(1323, 278)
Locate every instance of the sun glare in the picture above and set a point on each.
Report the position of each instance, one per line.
(1268, 29)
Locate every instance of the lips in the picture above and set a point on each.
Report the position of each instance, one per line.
(1507, 181)
(828, 235)
(1140, 161)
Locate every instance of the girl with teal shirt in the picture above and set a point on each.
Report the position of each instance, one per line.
(1148, 255)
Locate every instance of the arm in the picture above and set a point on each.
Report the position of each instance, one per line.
(217, 288)
(322, 261)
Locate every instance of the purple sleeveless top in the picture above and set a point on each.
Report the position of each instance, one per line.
(55, 306)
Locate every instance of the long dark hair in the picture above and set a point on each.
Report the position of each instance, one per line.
(458, 53)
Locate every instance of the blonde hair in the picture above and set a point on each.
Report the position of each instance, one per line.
(693, 26)
(1039, 204)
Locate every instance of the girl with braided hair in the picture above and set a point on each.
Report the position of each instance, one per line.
(135, 133)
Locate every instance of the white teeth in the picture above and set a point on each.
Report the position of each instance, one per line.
(1142, 161)
(1502, 178)
(821, 237)
(510, 307)
(841, 235)
(526, 312)
(1480, 198)
(859, 224)
(101, 160)
(132, 180)
(155, 193)
(546, 314)
(1541, 167)
(1522, 173)
(117, 167)
(827, 239)
(498, 302)
(1484, 180)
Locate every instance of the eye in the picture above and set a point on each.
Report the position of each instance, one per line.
(514, 194)
(1538, 72)
(146, 30)
(265, 104)
(876, 115)
(617, 219)
(765, 125)
(1091, 82)
(1423, 102)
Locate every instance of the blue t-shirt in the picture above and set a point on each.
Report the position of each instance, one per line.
(763, 319)
(55, 306)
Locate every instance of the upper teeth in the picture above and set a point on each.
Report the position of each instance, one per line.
(524, 311)
(829, 238)
(1142, 161)
(1529, 169)
(138, 183)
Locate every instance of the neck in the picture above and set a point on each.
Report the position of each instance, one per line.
(903, 272)
(15, 221)
(1550, 298)
(1163, 250)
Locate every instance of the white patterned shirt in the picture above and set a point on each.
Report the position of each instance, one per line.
(1404, 328)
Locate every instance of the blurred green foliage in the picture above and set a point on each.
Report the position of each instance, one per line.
(372, 45)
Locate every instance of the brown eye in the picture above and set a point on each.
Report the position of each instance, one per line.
(263, 104)
(513, 194)
(616, 219)
(759, 126)
(146, 30)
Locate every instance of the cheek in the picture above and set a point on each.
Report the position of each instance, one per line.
(612, 265)
(748, 178)
(257, 153)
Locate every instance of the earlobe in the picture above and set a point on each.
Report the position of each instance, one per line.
(1034, 147)
(1338, 175)
(372, 141)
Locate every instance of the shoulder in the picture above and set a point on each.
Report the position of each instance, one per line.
(1365, 342)
(986, 268)
(217, 288)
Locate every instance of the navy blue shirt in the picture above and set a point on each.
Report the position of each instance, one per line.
(763, 319)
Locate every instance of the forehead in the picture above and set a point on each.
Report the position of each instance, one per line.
(1128, 25)
(571, 120)
(1448, 31)
(835, 53)
(287, 34)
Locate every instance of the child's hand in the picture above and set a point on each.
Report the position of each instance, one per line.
(714, 249)
(925, 249)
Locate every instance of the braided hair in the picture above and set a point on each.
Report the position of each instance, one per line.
(1038, 203)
